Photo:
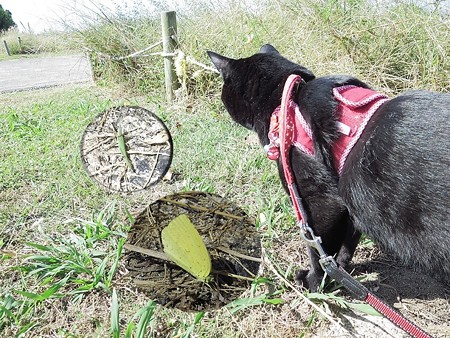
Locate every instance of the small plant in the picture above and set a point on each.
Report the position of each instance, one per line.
(84, 260)
(197, 320)
(144, 317)
(326, 299)
(332, 297)
(15, 311)
(265, 298)
(366, 242)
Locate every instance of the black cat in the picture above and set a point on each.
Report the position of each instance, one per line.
(395, 182)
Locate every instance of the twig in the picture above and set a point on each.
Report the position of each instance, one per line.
(153, 170)
(151, 153)
(110, 167)
(238, 254)
(98, 145)
(196, 207)
(147, 252)
(163, 256)
(232, 275)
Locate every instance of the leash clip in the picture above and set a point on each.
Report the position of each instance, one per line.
(312, 240)
(329, 265)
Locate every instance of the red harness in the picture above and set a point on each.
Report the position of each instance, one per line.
(356, 107)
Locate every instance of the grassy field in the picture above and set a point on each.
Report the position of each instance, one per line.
(61, 235)
(48, 202)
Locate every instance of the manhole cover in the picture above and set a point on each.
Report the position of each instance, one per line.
(140, 162)
(229, 235)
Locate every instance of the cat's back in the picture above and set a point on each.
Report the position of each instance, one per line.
(395, 181)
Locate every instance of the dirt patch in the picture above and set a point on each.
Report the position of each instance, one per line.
(229, 235)
(422, 299)
(140, 162)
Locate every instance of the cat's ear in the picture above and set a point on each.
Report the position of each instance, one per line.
(221, 63)
(268, 49)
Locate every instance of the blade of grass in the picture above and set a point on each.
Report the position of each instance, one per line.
(115, 264)
(242, 303)
(197, 319)
(115, 328)
(146, 317)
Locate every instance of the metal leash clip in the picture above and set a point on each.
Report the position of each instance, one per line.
(312, 240)
(329, 265)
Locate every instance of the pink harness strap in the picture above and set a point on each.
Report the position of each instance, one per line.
(288, 131)
(356, 107)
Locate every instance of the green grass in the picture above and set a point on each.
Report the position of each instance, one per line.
(32, 139)
(145, 316)
(62, 233)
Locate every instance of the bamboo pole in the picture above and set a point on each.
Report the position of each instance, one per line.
(169, 38)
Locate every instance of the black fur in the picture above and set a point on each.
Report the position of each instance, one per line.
(394, 185)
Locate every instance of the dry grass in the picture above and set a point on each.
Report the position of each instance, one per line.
(393, 46)
(22, 43)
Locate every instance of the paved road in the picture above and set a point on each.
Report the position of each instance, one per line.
(32, 73)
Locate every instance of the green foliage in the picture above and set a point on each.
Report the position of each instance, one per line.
(243, 303)
(144, 316)
(112, 36)
(69, 267)
(332, 298)
(401, 45)
(256, 300)
(13, 310)
(84, 260)
(6, 20)
(21, 43)
(197, 320)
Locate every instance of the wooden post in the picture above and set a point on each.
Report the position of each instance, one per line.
(19, 40)
(169, 38)
(6, 47)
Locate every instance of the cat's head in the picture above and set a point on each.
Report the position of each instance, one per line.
(253, 86)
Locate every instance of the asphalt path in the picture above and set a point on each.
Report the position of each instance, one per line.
(42, 72)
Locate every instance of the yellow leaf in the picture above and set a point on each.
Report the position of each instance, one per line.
(184, 246)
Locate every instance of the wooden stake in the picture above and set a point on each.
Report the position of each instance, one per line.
(169, 38)
(19, 40)
(6, 47)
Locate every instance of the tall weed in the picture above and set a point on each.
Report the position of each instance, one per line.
(393, 46)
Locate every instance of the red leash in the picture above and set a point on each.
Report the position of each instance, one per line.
(284, 141)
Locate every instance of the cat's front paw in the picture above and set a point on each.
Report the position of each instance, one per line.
(309, 279)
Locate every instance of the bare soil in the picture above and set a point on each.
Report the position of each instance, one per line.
(148, 147)
(422, 299)
(229, 235)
